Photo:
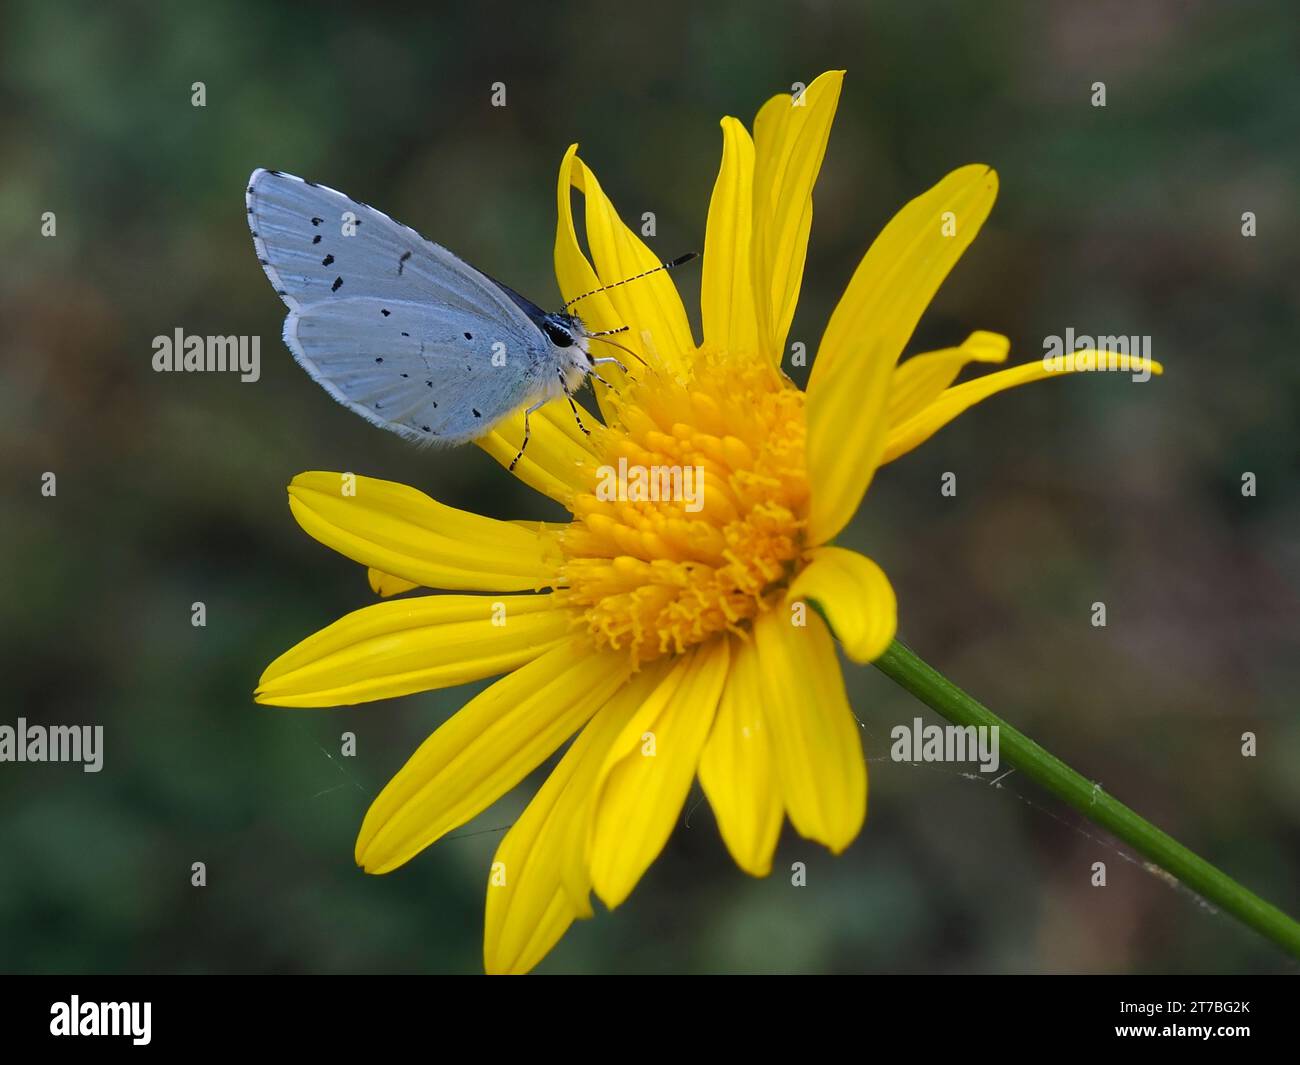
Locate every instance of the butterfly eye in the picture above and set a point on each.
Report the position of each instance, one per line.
(557, 334)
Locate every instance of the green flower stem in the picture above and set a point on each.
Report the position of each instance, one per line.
(902, 666)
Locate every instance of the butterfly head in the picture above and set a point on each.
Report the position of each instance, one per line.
(568, 333)
(563, 330)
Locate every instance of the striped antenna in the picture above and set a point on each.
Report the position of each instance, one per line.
(603, 338)
(681, 259)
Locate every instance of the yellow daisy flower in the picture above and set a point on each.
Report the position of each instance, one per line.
(673, 641)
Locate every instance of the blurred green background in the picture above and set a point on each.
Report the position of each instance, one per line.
(1123, 219)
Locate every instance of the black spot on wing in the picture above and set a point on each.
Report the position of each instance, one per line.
(384, 312)
(401, 262)
(327, 260)
(316, 239)
(476, 412)
(338, 281)
(317, 221)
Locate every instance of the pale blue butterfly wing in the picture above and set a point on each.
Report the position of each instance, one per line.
(395, 327)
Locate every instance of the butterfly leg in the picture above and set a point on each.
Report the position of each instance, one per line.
(597, 362)
(576, 418)
(564, 384)
(527, 432)
(609, 358)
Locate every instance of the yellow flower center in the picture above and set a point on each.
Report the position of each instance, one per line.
(696, 515)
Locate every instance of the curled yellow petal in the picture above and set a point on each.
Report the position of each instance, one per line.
(485, 749)
(577, 276)
(413, 645)
(815, 739)
(954, 401)
(385, 584)
(918, 381)
(727, 286)
(650, 307)
(855, 596)
(849, 386)
(573, 269)
(736, 767)
(404, 533)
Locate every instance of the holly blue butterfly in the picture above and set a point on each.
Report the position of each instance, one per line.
(399, 329)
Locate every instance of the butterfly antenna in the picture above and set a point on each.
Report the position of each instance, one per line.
(680, 260)
(602, 337)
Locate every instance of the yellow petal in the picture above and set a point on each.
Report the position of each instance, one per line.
(954, 401)
(648, 772)
(815, 740)
(386, 584)
(790, 135)
(611, 720)
(917, 382)
(650, 306)
(558, 456)
(406, 534)
(414, 645)
(854, 595)
(576, 276)
(539, 883)
(849, 385)
(484, 750)
(572, 268)
(527, 908)
(727, 286)
(529, 945)
(736, 769)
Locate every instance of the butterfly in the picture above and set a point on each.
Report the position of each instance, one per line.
(403, 332)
